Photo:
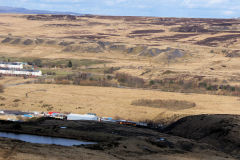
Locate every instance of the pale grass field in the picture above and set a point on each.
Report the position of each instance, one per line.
(111, 102)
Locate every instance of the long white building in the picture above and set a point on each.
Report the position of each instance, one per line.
(17, 69)
(12, 65)
(7, 71)
(86, 117)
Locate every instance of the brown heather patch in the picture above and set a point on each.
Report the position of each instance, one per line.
(168, 104)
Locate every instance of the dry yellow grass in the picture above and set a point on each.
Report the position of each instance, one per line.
(198, 60)
(111, 102)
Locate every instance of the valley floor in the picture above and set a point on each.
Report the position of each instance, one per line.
(108, 102)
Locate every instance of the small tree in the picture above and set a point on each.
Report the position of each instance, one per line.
(152, 82)
(37, 62)
(70, 64)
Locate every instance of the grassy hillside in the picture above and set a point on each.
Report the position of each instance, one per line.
(206, 47)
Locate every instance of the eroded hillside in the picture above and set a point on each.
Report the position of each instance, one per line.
(209, 47)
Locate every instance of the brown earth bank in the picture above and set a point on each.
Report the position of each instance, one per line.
(127, 142)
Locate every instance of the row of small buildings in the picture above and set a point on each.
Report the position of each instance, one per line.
(17, 69)
(23, 116)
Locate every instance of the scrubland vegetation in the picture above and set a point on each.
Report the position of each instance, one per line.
(54, 63)
(148, 54)
(184, 84)
(169, 104)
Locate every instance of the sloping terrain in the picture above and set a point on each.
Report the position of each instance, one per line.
(114, 142)
(203, 47)
(221, 131)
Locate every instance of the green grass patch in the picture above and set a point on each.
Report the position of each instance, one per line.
(63, 63)
(94, 70)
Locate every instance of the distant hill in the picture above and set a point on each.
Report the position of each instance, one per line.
(5, 9)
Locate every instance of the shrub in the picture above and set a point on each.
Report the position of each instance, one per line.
(70, 64)
(16, 100)
(111, 70)
(109, 77)
(169, 104)
(51, 73)
(37, 62)
(152, 82)
(130, 81)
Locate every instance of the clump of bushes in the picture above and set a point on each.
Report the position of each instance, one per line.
(49, 107)
(81, 78)
(16, 100)
(130, 81)
(51, 73)
(197, 84)
(111, 70)
(168, 104)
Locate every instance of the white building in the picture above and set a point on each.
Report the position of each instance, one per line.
(86, 117)
(7, 71)
(11, 65)
(17, 68)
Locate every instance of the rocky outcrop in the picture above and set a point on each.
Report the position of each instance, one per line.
(28, 42)
(16, 41)
(232, 54)
(83, 48)
(7, 40)
(93, 46)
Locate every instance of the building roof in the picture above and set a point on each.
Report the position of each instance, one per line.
(26, 70)
(12, 63)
